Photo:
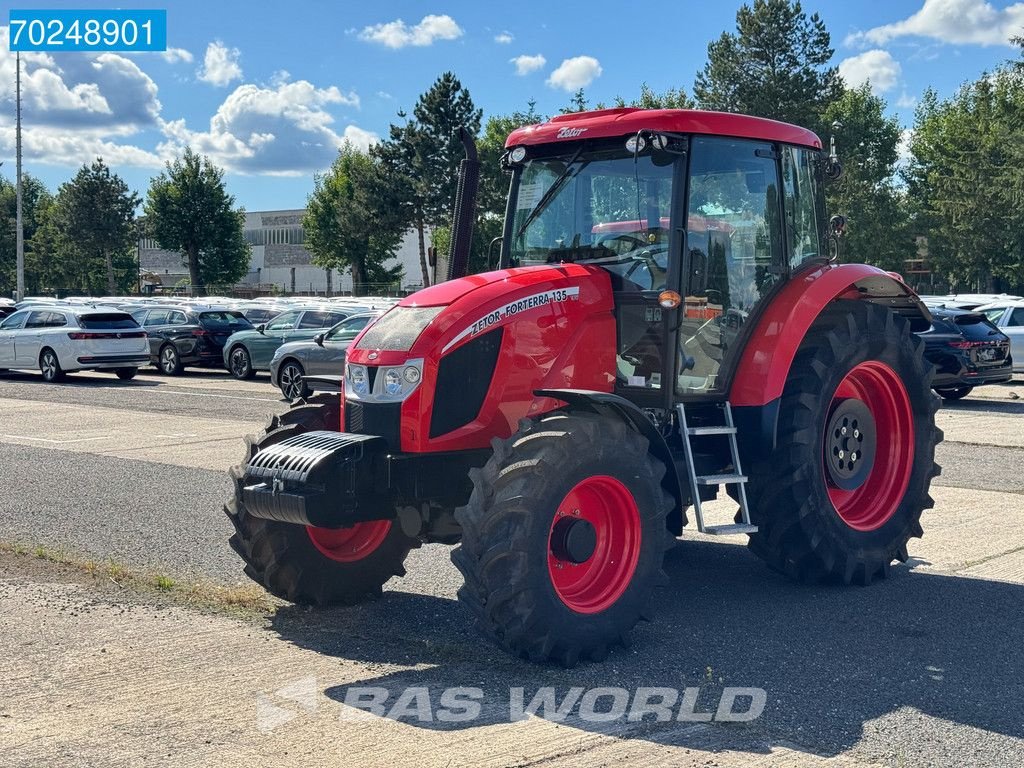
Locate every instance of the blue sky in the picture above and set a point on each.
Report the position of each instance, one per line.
(269, 89)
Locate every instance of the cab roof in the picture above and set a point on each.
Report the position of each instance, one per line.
(605, 123)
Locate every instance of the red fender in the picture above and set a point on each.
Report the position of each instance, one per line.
(761, 375)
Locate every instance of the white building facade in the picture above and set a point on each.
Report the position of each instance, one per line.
(280, 262)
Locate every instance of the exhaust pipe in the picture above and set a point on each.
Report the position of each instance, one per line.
(464, 214)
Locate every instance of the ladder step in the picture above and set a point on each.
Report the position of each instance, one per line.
(723, 430)
(720, 479)
(725, 530)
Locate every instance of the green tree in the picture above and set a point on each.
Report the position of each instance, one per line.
(421, 156)
(35, 203)
(352, 222)
(94, 222)
(878, 229)
(189, 210)
(775, 65)
(578, 103)
(966, 178)
(673, 98)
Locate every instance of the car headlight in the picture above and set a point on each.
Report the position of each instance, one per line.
(357, 379)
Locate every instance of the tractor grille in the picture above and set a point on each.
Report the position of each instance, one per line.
(463, 379)
(381, 419)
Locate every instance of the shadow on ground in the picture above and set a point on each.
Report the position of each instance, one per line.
(830, 658)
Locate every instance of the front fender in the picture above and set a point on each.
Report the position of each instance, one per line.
(611, 405)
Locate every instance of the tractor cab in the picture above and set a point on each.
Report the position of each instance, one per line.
(708, 224)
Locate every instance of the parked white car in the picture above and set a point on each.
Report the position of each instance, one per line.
(1008, 317)
(56, 340)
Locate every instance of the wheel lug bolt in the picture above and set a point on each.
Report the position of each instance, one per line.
(576, 512)
(842, 454)
(843, 430)
(853, 456)
(856, 433)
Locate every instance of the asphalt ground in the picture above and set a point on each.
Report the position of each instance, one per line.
(922, 669)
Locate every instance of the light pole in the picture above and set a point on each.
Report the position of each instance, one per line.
(17, 193)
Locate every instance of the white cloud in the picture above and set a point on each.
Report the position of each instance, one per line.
(175, 55)
(527, 64)
(903, 153)
(875, 66)
(51, 146)
(220, 65)
(504, 38)
(398, 34)
(282, 130)
(906, 101)
(951, 21)
(575, 73)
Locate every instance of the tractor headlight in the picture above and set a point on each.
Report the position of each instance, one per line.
(392, 382)
(357, 379)
(411, 374)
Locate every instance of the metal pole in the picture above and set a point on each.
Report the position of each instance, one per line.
(18, 225)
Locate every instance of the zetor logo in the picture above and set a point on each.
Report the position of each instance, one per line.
(570, 133)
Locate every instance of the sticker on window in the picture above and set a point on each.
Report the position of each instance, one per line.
(529, 196)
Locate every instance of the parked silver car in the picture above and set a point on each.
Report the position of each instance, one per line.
(56, 340)
(1008, 317)
(324, 355)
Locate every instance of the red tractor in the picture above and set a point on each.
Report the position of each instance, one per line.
(667, 319)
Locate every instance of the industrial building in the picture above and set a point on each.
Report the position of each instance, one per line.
(280, 262)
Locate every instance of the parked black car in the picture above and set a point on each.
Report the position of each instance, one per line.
(195, 336)
(967, 350)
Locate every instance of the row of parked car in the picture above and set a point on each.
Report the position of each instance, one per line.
(974, 339)
(289, 339)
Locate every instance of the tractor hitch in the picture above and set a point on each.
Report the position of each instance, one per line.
(324, 479)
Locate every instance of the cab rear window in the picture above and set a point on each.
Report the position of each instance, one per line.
(107, 321)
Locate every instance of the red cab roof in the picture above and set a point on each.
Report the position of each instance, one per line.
(604, 123)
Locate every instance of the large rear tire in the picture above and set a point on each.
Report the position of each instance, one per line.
(844, 490)
(306, 565)
(564, 537)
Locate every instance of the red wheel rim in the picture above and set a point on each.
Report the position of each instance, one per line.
(596, 583)
(347, 545)
(874, 502)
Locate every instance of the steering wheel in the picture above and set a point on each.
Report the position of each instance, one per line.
(632, 242)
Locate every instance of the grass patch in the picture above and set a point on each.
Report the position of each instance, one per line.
(245, 600)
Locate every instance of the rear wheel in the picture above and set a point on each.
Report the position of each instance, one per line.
(304, 564)
(844, 491)
(170, 360)
(955, 393)
(290, 378)
(126, 374)
(49, 366)
(240, 363)
(564, 537)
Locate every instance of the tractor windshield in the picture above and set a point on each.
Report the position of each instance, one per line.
(607, 207)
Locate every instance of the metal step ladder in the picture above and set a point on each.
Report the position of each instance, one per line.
(735, 478)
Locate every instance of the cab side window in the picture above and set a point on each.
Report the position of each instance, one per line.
(14, 322)
(800, 196)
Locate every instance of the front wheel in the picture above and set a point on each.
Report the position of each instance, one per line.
(843, 492)
(304, 564)
(564, 537)
(240, 363)
(955, 393)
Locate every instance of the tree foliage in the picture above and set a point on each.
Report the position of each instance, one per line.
(776, 64)
(353, 222)
(673, 98)
(967, 180)
(878, 225)
(35, 202)
(189, 210)
(421, 156)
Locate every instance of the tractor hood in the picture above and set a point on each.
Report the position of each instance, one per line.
(437, 320)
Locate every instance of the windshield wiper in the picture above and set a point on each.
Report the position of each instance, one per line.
(552, 190)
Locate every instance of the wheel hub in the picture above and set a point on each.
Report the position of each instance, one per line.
(573, 540)
(850, 444)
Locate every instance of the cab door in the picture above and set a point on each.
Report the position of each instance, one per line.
(733, 256)
(28, 342)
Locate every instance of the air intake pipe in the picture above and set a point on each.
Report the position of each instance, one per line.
(464, 213)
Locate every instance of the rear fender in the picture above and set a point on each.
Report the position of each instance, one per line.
(766, 360)
(612, 406)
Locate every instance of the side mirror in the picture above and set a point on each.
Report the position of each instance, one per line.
(319, 339)
(261, 328)
(837, 225)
